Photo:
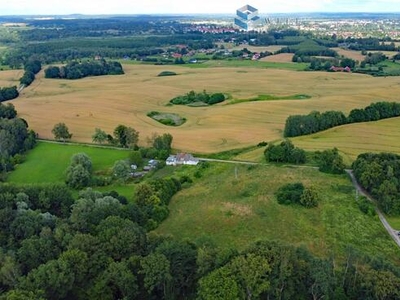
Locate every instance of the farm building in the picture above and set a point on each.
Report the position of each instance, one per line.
(182, 159)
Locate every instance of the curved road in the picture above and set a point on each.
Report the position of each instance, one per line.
(392, 232)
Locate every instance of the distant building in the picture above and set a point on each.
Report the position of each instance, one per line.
(247, 18)
(181, 159)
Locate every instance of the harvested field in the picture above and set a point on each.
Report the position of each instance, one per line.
(107, 101)
(283, 57)
(354, 139)
(10, 77)
(356, 55)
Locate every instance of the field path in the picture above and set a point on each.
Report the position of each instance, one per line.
(392, 232)
(230, 161)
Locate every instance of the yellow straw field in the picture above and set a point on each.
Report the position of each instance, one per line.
(107, 101)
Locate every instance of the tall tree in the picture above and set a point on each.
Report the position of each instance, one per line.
(61, 132)
(126, 137)
(99, 136)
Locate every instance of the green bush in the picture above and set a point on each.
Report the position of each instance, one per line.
(296, 193)
(366, 206)
(290, 193)
(167, 73)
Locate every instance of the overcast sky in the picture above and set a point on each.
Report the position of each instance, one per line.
(25, 7)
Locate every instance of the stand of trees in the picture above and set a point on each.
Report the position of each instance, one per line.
(285, 152)
(100, 247)
(379, 174)
(315, 121)
(8, 93)
(15, 138)
(193, 97)
(75, 70)
(32, 67)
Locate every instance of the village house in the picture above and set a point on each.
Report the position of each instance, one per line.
(182, 159)
(340, 69)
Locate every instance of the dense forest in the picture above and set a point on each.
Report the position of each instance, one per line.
(101, 247)
(315, 121)
(379, 174)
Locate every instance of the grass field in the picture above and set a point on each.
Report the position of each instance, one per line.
(234, 212)
(107, 101)
(47, 162)
(231, 46)
(282, 64)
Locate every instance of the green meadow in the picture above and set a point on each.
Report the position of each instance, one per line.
(232, 206)
(47, 163)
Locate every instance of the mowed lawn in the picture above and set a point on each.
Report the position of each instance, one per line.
(47, 162)
(107, 101)
(234, 212)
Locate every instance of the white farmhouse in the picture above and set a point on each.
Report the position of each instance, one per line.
(182, 159)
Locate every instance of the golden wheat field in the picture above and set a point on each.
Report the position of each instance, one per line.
(107, 101)
(380, 136)
(356, 55)
(282, 57)
(10, 77)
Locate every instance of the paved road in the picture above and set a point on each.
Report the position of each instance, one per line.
(392, 232)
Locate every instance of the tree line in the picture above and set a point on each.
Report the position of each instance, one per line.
(76, 70)
(15, 139)
(8, 93)
(328, 161)
(315, 121)
(101, 246)
(379, 175)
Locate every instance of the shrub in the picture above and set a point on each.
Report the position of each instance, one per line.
(309, 198)
(167, 73)
(296, 193)
(366, 206)
(290, 193)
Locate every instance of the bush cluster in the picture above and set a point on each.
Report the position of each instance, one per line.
(296, 193)
(203, 97)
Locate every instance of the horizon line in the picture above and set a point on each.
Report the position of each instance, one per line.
(199, 14)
